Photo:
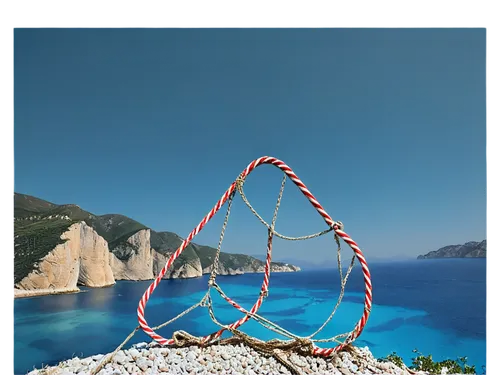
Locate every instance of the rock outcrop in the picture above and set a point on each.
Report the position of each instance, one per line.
(178, 270)
(283, 267)
(82, 259)
(133, 259)
(95, 270)
(470, 249)
(254, 268)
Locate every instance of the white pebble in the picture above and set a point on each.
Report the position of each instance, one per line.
(154, 359)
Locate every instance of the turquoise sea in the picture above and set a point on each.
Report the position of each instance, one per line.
(436, 306)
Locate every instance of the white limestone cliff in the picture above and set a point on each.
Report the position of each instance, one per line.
(133, 260)
(178, 270)
(83, 259)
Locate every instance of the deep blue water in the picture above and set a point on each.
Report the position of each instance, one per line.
(437, 306)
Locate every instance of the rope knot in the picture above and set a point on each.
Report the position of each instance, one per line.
(211, 281)
(240, 180)
(264, 293)
(205, 301)
(339, 225)
(182, 338)
(305, 343)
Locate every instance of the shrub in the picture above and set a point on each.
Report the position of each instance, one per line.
(426, 363)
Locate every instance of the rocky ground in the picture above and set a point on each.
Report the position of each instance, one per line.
(216, 359)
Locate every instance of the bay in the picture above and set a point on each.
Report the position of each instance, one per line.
(437, 306)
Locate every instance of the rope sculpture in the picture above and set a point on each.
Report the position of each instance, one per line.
(275, 347)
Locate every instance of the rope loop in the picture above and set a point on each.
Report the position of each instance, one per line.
(240, 181)
(206, 300)
(277, 348)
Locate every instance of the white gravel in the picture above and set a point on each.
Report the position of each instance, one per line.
(152, 359)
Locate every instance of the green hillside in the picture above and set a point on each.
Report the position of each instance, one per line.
(39, 224)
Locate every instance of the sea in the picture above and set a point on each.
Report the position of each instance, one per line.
(434, 306)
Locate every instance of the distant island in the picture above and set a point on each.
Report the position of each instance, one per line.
(59, 247)
(471, 249)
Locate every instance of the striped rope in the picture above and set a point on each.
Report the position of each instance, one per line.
(336, 226)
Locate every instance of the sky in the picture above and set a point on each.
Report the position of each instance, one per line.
(386, 127)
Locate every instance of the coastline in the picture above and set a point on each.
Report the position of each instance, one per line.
(22, 293)
(25, 293)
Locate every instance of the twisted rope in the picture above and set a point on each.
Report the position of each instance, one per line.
(239, 186)
(109, 357)
(277, 348)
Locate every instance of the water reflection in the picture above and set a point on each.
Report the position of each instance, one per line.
(97, 298)
(70, 302)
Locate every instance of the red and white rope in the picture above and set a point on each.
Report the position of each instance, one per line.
(265, 284)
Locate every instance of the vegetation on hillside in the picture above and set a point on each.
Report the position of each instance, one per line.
(39, 224)
(33, 241)
(167, 242)
(234, 261)
(115, 228)
(26, 205)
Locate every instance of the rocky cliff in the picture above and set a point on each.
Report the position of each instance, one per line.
(133, 258)
(471, 249)
(236, 264)
(178, 270)
(82, 259)
(58, 247)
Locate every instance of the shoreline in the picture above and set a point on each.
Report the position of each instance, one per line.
(24, 293)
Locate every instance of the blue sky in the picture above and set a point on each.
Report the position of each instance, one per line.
(386, 127)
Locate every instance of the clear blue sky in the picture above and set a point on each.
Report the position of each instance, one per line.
(386, 127)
